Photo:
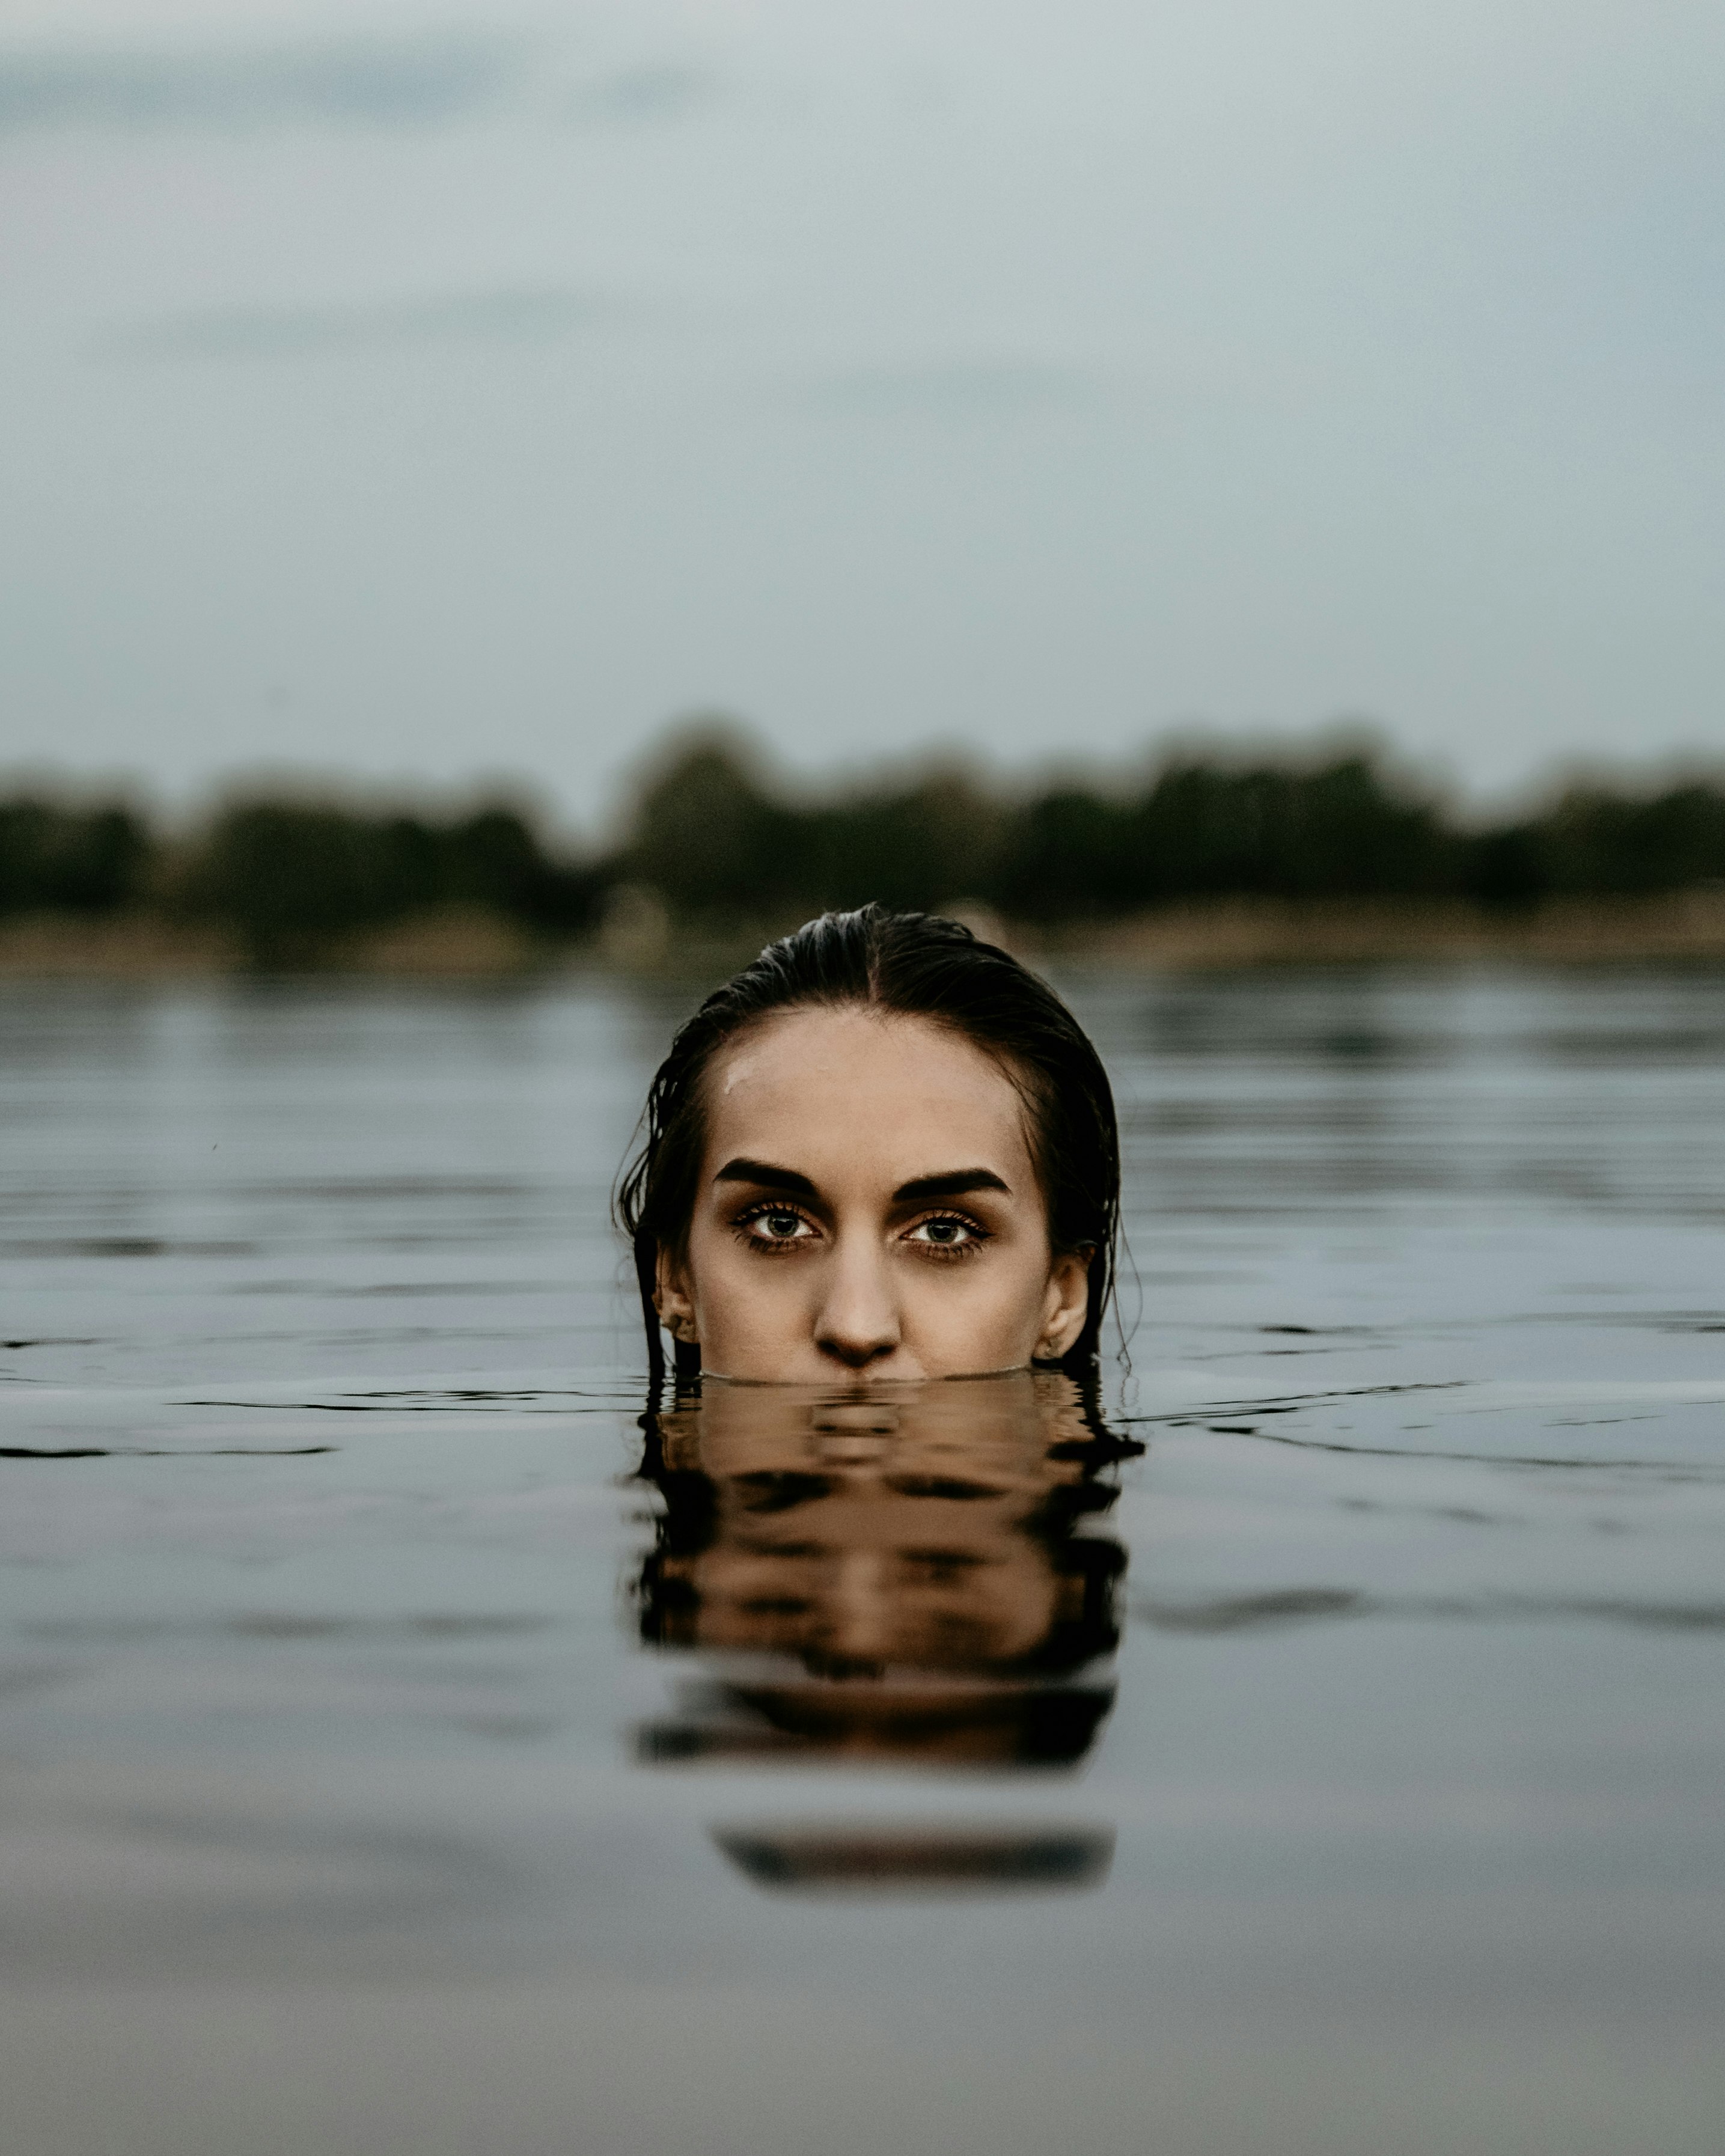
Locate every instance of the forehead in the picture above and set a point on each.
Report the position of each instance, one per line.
(842, 1091)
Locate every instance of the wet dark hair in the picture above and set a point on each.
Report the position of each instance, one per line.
(914, 965)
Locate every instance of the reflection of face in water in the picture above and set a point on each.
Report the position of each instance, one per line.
(905, 1577)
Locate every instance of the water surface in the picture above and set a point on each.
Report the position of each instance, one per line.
(1312, 1745)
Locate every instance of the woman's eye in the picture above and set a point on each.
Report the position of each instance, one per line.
(779, 1227)
(945, 1235)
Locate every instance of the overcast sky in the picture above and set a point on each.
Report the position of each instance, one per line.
(415, 394)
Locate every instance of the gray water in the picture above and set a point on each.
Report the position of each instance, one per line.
(343, 1807)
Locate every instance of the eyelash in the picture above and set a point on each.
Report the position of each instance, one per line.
(941, 1253)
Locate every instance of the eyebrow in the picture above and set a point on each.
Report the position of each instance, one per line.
(768, 1177)
(953, 1184)
(919, 1191)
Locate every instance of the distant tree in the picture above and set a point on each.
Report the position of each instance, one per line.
(715, 837)
(292, 877)
(1506, 866)
(494, 858)
(938, 840)
(711, 834)
(1066, 855)
(85, 860)
(1593, 840)
(708, 836)
(1334, 830)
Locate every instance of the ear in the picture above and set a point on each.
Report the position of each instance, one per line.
(672, 1301)
(1065, 1306)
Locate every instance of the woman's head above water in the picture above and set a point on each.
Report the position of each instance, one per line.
(884, 1151)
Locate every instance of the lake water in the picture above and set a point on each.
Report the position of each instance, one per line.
(402, 1748)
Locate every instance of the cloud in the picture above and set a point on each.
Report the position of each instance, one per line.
(354, 83)
(666, 90)
(510, 316)
(965, 389)
(364, 83)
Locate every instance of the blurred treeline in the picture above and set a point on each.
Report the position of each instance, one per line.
(290, 878)
(717, 841)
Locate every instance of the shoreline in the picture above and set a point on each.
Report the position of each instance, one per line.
(1229, 933)
(1217, 934)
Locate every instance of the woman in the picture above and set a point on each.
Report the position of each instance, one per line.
(884, 1150)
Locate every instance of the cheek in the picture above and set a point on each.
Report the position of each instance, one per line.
(998, 1301)
(713, 1260)
(730, 1284)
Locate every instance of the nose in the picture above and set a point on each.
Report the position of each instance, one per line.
(857, 1323)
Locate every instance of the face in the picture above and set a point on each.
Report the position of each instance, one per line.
(867, 1208)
